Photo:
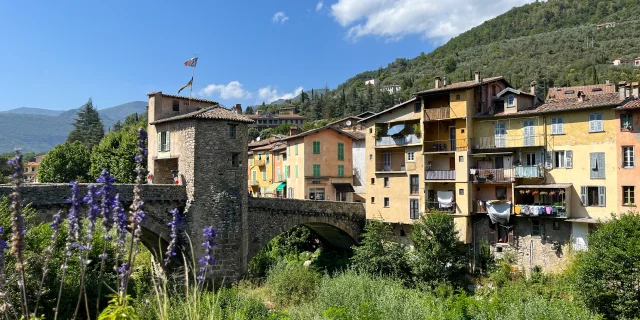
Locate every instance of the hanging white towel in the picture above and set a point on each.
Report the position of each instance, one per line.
(445, 198)
(499, 211)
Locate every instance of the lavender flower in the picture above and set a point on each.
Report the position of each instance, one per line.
(55, 228)
(3, 278)
(17, 225)
(91, 199)
(175, 224)
(107, 202)
(120, 215)
(207, 260)
(74, 219)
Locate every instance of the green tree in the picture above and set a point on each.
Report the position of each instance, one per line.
(116, 126)
(249, 110)
(450, 65)
(608, 273)
(88, 128)
(379, 252)
(253, 134)
(136, 119)
(438, 256)
(116, 152)
(66, 162)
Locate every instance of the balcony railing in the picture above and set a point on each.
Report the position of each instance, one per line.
(253, 183)
(440, 175)
(445, 145)
(437, 206)
(437, 113)
(529, 172)
(397, 141)
(492, 175)
(390, 168)
(507, 141)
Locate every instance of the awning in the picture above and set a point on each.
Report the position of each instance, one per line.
(395, 129)
(281, 186)
(545, 186)
(482, 155)
(343, 187)
(274, 187)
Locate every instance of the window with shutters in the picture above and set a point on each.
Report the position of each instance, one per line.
(316, 170)
(557, 125)
(559, 160)
(628, 157)
(626, 122)
(316, 147)
(340, 151)
(597, 165)
(286, 171)
(593, 196)
(414, 184)
(568, 158)
(164, 141)
(628, 196)
(264, 175)
(340, 170)
(414, 209)
(595, 122)
(296, 148)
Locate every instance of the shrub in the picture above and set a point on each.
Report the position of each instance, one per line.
(379, 252)
(292, 284)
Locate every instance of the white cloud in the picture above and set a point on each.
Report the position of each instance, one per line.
(435, 19)
(319, 6)
(279, 17)
(270, 94)
(232, 90)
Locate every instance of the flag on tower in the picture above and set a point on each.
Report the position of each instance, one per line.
(191, 62)
(186, 85)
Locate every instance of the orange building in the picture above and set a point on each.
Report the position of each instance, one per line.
(627, 142)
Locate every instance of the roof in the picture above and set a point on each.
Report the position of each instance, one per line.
(280, 145)
(269, 140)
(545, 186)
(182, 97)
(356, 118)
(365, 114)
(35, 164)
(263, 148)
(631, 104)
(350, 134)
(512, 90)
(572, 92)
(390, 109)
(461, 85)
(590, 101)
(213, 112)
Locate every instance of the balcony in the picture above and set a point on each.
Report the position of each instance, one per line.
(529, 172)
(507, 141)
(479, 206)
(281, 178)
(437, 206)
(253, 183)
(437, 113)
(492, 175)
(259, 163)
(440, 146)
(439, 175)
(392, 141)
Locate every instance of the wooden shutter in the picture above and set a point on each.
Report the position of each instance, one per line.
(549, 160)
(593, 165)
(583, 195)
(168, 147)
(560, 125)
(159, 141)
(599, 125)
(592, 123)
(602, 196)
(601, 165)
(568, 159)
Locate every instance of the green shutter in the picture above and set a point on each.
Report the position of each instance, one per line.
(340, 170)
(296, 170)
(286, 171)
(340, 151)
(296, 148)
(316, 170)
(316, 147)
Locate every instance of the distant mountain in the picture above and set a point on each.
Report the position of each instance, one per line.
(38, 111)
(298, 97)
(39, 130)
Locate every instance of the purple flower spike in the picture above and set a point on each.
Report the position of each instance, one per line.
(121, 223)
(175, 224)
(107, 202)
(207, 260)
(91, 199)
(74, 219)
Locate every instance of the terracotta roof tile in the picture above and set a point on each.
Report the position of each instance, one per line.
(213, 112)
(590, 101)
(461, 85)
(631, 104)
(572, 92)
(182, 97)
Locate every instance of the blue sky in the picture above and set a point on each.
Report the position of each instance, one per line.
(57, 54)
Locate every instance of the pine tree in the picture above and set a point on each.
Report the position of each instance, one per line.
(88, 128)
(116, 126)
(249, 110)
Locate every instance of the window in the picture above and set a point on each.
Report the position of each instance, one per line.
(373, 199)
(235, 159)
(254, 176)
(626, 122)
(414, 209)
(284, 156)
(316, 193)
(531, 159)
(340, 151)
(264, 175)
(511, 101)
(164, 141)
(416, 108)
(597, 165)
(386, 182)
(386, 202)
(557, 125)
(340, 170)
(535, 227)
(628, 197)
(316, 170)
(370, 130)
(556, 225)
(501, 192)
(414, 184)
(373, 181)
(457, 97)
(286, 171)
(232, 131)
(175, 105)
(410, 156)
(461, 159)
(569, 92)
(461, 192)
(595, 122)
(316, 147)
(593, 196)
(558, 159)
(628, 157)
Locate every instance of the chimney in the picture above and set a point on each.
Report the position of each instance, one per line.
(293, 130)
(477, 74)
(628, 91)
(533, 88)
(580, 96)
(622, 92)
(438, 80)
(444, 82)
(634, 90)
(608, 83)
(258, 112)
(238, 108)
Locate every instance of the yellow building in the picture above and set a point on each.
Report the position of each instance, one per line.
(261, 167)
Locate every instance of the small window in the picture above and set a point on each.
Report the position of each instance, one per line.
(626, 122)
(595, 122)
(559, 159)
(164, 141)
(461, 159)
(373, 181)
(557, 125)
(556, 225)
(410, 156)
(370, 130)
(628, 196)
(416, 108)
(569, 92)
(535, 227)
(511, 101)
(386, 182)
(628, 157)
(175, 104)
(370, 157)
(414, 209)
(235, 160)
(232, 131)
(596, 89)
(457, 97)
(373, 199)
(461, 192)
(386, 202)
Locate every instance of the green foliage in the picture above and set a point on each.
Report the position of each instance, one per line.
(450, 65)
(607, 274)
(66, 162)
(116, 153)
(119, 309)
(136, 119)
(253, 134)
(249, 110)
(88, 128)
(438, 255)
(486, 262)
(379, 252)
(292, 284)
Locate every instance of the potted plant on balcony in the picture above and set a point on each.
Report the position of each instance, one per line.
(416, 129)
(378, 132)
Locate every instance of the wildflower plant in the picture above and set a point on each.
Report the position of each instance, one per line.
(175, 224)
(17, 226)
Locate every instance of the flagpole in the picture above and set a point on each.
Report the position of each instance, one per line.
(193, 72)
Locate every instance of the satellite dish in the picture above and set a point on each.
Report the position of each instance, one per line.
(348, 122)
(258, 139)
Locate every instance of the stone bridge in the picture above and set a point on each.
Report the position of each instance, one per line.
(245, 225)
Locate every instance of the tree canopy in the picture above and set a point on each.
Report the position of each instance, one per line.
(88, 128)
(66, 162)
(116, 153)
